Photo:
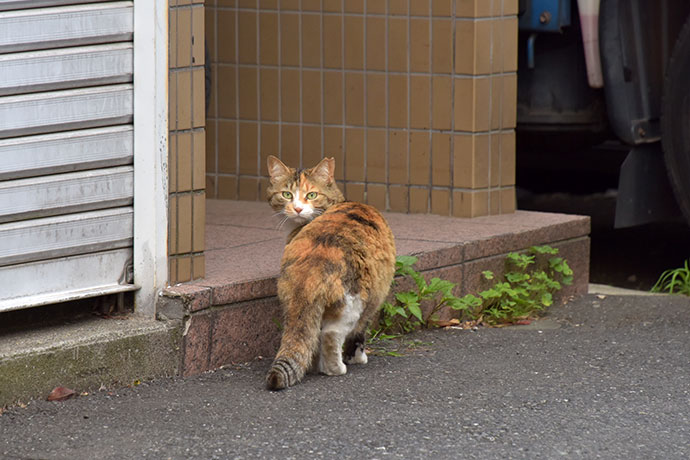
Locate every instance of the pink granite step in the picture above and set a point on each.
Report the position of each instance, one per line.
(232, 315)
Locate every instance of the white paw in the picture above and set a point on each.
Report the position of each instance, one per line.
(338, 369)
(360, 357)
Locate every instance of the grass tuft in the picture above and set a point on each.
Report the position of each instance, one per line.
(674, 281)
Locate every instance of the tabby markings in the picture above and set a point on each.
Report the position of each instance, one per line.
(362, 220)
(329, 240)
(352, 215)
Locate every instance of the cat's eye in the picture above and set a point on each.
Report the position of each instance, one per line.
(287, 195)
(311, 195)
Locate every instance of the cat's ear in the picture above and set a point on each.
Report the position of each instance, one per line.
(325, 170)
(276, 169)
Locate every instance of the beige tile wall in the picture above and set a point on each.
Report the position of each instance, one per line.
(414, 98)
(187, 141)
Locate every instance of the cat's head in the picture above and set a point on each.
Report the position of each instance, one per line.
(302, 195)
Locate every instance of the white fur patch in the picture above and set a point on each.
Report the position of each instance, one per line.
(360, 357)
(349, 317)
(307, 209)
(341, 327)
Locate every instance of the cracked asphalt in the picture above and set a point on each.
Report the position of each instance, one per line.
(603, 376)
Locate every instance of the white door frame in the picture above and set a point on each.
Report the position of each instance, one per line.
(150, 152)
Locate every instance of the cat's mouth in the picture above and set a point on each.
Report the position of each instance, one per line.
(301, 219)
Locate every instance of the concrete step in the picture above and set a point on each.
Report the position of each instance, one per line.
(85, 355)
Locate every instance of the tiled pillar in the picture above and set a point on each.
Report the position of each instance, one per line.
(485, 85)
(414, 98)
(187, 151)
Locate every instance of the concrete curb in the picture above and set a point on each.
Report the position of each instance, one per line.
(603, 289)
(85, 356)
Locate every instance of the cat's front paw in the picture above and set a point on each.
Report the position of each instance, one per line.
(338, 368)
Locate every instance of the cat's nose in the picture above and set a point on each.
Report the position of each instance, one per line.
(298, 210)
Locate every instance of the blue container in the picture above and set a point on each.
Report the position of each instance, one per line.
(545, 15)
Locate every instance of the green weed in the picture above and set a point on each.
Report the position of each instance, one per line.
(405, 313)
(527, 287)
(674, 281)
(530, 281)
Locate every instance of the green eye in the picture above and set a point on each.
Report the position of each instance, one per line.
(311, 195)
(287, 195)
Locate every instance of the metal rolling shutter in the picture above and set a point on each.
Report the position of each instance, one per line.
(66, 150)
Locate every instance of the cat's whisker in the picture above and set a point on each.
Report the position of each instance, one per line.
(282, 222)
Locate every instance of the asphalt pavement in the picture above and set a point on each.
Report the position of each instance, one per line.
(604, 376)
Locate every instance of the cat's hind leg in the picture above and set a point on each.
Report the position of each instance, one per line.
(354, 348)
(334, 330)
(356, 340)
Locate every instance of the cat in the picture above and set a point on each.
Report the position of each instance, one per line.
(336, 270)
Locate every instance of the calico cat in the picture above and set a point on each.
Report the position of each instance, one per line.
(336, 271)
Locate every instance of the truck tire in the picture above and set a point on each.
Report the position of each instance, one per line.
(675, 120)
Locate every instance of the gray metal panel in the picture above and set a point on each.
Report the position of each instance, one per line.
(66, 152)
(17, 4)
(62, 110)
(65, 68)
(72, 234)
(42, 28)
(68, 278)
(66, 221)
(64, 193)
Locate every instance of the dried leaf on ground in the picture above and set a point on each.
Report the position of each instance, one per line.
(60, 394)
(451, 322)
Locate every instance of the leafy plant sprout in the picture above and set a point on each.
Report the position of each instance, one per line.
(531, 279)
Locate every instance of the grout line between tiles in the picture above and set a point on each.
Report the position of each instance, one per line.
(430, 119)
(343, 88)
(387, 110)
(500, 112)
(300, 140)
(352, 182)
(280, 86)
(350, 13)
(490, 103)
(194, 102)
(258, 103)
(409, 102)
(214, 89)
(362, 71)
(237, 102)
(452, 115)
(340, 125)
(322, 59)
(243, 245)
(365, 197)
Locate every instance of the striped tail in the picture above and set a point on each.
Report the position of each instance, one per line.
(297, 348)
(284, 372)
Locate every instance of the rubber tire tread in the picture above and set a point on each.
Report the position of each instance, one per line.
(675, 120)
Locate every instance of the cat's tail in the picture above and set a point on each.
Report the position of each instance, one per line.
(297, 347)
